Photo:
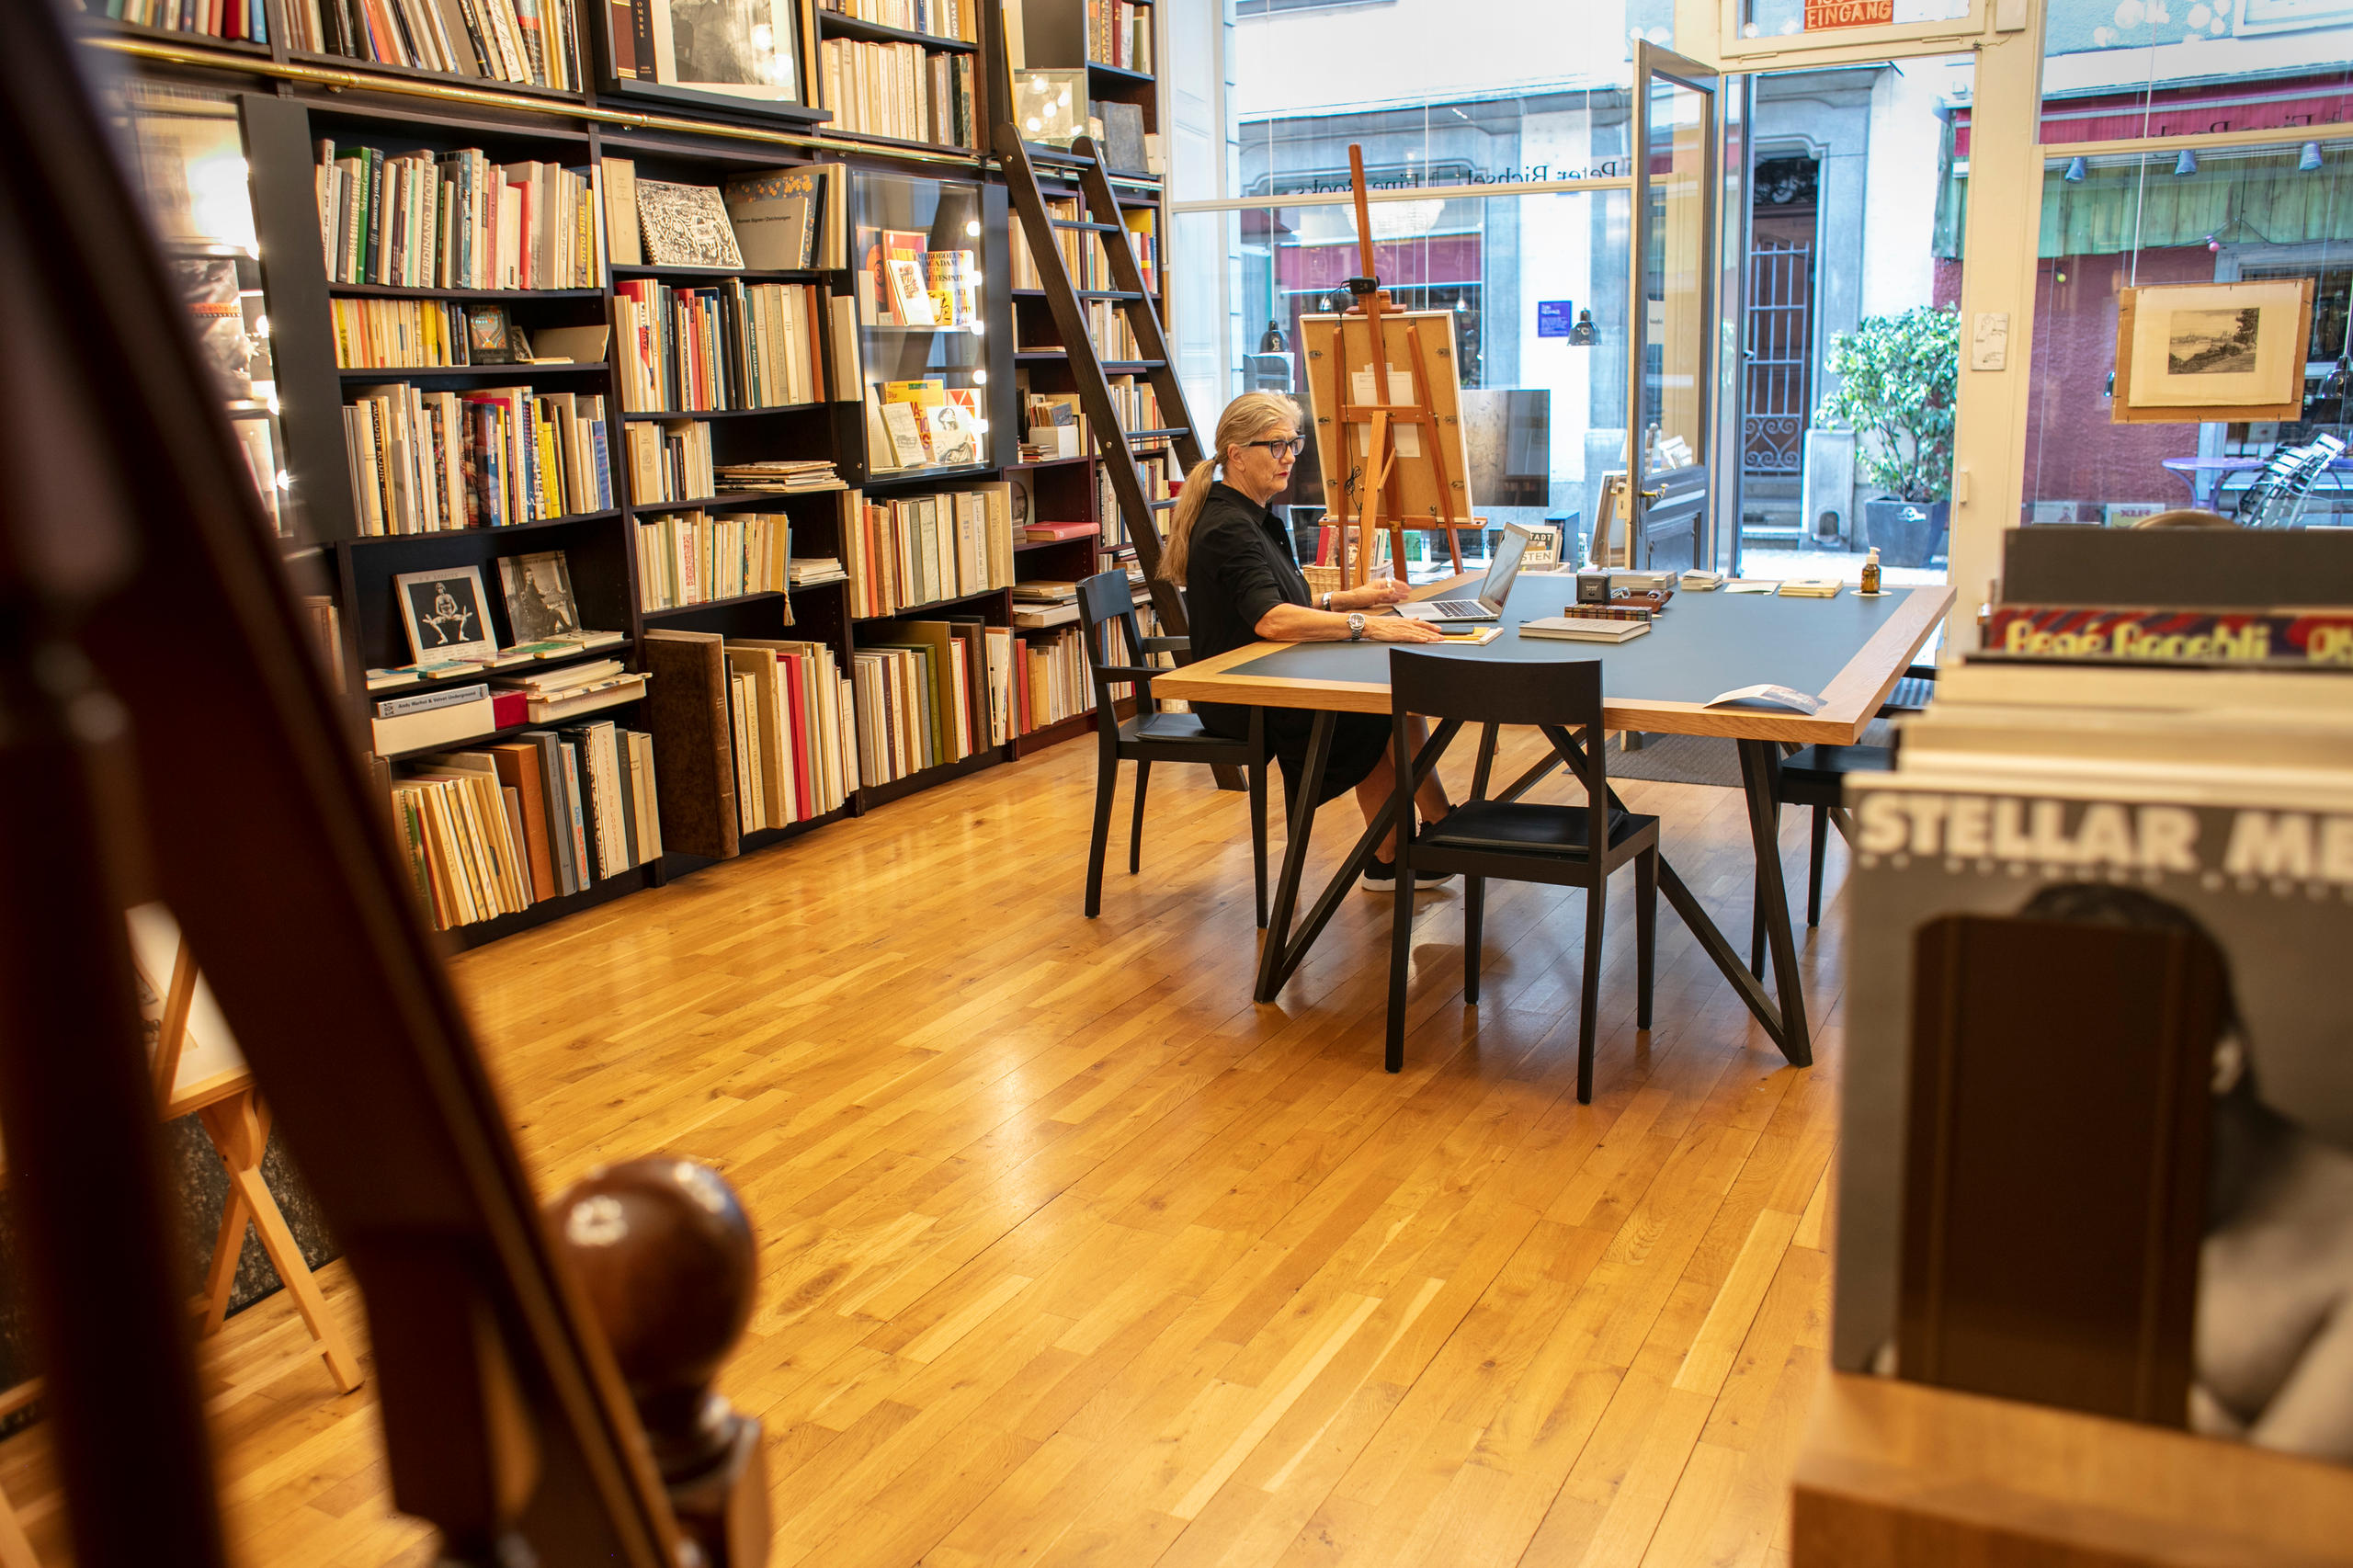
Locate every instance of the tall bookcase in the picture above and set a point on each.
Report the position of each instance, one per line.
(289, 101)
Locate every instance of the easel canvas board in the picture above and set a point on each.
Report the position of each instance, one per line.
(211, 1065)
(1416, 483)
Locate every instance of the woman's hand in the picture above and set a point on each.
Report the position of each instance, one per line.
(1380, 591)
(1397, 629)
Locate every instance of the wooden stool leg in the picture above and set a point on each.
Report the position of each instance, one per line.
(15, 1550)
(240, 1130)
(221, 1277)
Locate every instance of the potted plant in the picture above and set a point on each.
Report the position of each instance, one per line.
(1897, 376)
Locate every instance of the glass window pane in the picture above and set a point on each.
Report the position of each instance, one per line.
(2117, 69)
(2241, 214)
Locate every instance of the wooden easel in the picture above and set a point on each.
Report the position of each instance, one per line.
(198, 1071)
(1376, 505)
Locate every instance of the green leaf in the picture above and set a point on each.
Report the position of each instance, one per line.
(1898, 376)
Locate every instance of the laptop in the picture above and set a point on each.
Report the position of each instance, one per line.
(1489, 605)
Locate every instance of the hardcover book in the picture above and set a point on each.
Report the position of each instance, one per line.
(2311, 637)
(772, 212)
(2097, 1146)
(686, 226)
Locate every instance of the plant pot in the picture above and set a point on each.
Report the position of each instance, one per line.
(1906, 533)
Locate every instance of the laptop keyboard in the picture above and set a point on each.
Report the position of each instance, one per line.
(1458, 610)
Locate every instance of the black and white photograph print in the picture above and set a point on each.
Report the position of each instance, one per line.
(2212, 343)
(2200, 346)
(686, 226)
(446, 614)
(539, 596)
(740, 47)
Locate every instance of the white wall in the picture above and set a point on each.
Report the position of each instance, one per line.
(1900, 182)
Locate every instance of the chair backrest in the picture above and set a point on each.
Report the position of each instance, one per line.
(1106, 600)
(1558, 696)
(2276, 498)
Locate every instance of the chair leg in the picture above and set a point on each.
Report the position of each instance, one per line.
(1757, 933)
(1135, 831)
(1645, 934)
(1106, 785)
(1474, 910)
(1258, 834)
(1401, 943)
(1596, 904)
(1813, 875)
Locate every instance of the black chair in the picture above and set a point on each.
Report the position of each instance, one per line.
(1104, 600)
(1817, 775)
(1509, 838)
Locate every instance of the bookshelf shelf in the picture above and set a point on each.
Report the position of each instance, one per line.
(724, 413)
(388, 291)
(672, 612)
(572, 520)
(934, 149)
(467, 677)
(930, 605)
(916, 783)
(721, 274)
(834, 24)
(922, 475)
(732, 498)
(1036, 741)
(1118, 75)
(466, 372)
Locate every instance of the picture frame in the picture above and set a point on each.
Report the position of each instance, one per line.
(445, 613)
(2190, 353)
(748, 51)
(540, 600)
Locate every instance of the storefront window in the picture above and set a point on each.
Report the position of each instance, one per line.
(2132, 220)
(2127, 69)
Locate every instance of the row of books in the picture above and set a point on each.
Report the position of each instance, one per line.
(730, 347)
(1153, 468)
(926, 548)
(242, 20)
(552, 813)
(901, 90)
(669, 460)
(940, 18)
(1135, 402)
(923, 424)
(1118, 32)
(931, 693)
(1056, 684)
(531, 41)
(1084, 255)
(1108, 329)
(795, 738)
(458, 221)
(693, 558)
(433, 461)
(788, 219)
(908, 283)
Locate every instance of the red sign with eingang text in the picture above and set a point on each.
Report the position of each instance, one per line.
(1822, 14)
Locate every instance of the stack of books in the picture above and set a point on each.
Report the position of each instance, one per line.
(1590, 624)
(810, 570)
(778, 473)
(574, 689)
(923, 549)
(694, 558)
(1810, 588)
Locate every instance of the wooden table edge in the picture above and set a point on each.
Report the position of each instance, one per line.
(1853, 696)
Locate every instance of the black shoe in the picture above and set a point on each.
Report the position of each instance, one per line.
(1380, 875)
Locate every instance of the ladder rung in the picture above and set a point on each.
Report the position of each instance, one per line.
(1074, 224)
(1158, 506)
(1154, 434)
(1105, 294)
(1125, 365)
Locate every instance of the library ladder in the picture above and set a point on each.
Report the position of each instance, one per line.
(1068, 302)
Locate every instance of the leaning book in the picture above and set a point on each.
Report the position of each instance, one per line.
(2097, 1147)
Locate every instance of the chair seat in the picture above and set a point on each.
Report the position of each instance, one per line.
(1909, 694)
(1169, 727)
(1515, 827)
(1817, 775)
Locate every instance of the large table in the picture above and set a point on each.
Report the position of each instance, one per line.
(1849, 650)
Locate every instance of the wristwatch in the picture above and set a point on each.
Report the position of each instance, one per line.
(1356, 626)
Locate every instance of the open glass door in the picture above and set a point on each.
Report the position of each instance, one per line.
(1674, 259)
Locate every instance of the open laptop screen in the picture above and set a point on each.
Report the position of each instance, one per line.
(1504, 566)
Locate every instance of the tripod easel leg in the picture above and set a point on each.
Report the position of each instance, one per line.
(239, 1127)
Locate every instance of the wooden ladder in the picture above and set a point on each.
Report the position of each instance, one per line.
(1066, 300)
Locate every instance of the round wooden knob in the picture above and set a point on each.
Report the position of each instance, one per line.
(667, 1257)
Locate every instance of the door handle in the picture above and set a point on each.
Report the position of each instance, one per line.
(1654, 495)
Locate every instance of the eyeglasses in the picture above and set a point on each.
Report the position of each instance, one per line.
(1290, 448)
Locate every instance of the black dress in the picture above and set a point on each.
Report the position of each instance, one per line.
(1240, 567)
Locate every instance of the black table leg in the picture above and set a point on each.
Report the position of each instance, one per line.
(1758, 761)
(1279, 958)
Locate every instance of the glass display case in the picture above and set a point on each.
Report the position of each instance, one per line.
(921, 270)
(187, 149)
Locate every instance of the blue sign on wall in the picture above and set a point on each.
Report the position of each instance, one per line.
(1554, 318)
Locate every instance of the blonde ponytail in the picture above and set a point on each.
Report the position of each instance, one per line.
(1252, 416)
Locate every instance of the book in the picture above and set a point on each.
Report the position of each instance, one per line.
(905, 433)
(1810, 588)
(1039, 532)
(686, 226)
(687, 716)
(1122, 137)
(1583, 628)
(771, 212)
(2316, 638)
(909, 299)
(434, 726)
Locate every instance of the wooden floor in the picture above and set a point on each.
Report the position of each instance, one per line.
(1072, 1255)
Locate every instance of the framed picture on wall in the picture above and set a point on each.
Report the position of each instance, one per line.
(745, 50)
(2191, 352)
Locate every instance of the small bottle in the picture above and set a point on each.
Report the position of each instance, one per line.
(1870, 572)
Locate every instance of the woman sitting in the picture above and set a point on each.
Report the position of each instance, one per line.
(1233, 558)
